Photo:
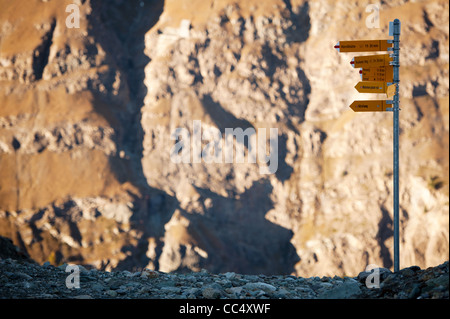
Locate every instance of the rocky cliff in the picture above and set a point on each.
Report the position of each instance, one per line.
(87, 116)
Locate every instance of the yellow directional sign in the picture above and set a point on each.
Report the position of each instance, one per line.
(369, 106)
(363, 46)
(382, 73)
(375, 87)
(371, 87)
(390, 90)
(370, 61)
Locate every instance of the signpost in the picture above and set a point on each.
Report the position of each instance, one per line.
(375, 87)
(370, 61)
(390, 90)
(363, 45)
(370, 106)
(380, 74)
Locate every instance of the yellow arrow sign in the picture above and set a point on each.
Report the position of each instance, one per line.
(369, 106)
(370, 61)
(390, 91)
(382, 73)
(371, 87)
(375, 87)
(363, 46)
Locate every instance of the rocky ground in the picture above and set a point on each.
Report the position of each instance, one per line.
(22, 279)
(87, 115)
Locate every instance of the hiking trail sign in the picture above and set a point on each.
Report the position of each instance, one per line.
(363, 45)
(380, 74)
(371, 61)
(376, 87)
(370, 106)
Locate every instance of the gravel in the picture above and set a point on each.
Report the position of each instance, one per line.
(23, 279)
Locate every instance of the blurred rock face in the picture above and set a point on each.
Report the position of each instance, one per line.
(88, 115)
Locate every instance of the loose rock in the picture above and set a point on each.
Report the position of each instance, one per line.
(28, 280)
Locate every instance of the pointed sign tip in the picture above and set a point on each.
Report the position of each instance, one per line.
(368, 106)
(337, 47)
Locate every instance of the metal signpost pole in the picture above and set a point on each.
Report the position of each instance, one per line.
(396, 65)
